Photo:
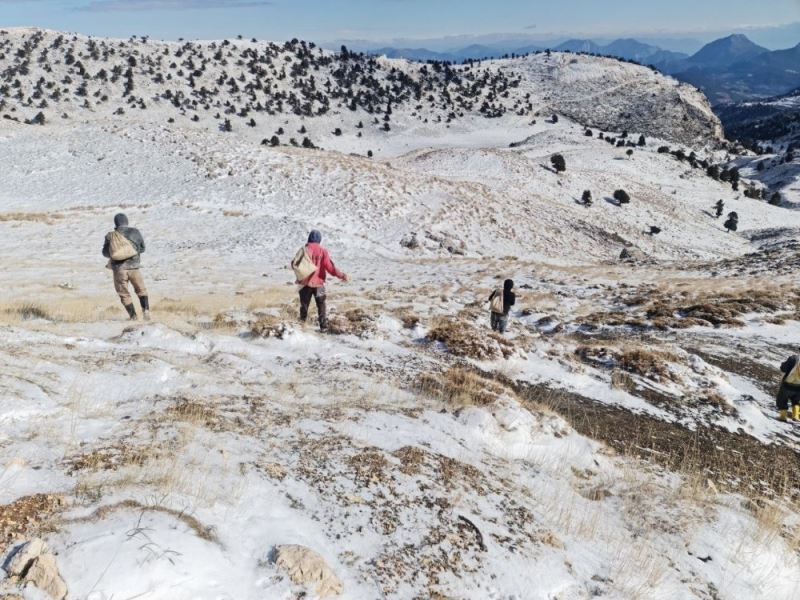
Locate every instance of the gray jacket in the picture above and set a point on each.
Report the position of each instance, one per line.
(135, 238)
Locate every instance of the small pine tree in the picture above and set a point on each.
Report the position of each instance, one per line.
(274, 141)
(554, 119)
(337, 132)
(622, 197)
(732, 224)
(588, 133)
(642, 141)
(629, 152)
(369, 153)
(226, 126)
(558, 162)
(586, 198)
(761, 166)
(775, 199)
(307, 143)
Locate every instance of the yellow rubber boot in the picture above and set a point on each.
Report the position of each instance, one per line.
(796, 412)
(783, 415)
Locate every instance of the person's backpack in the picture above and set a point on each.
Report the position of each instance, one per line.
(793, 376)
(497, 304)
(119, 247)
(302, 265)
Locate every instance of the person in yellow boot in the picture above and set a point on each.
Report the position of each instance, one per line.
(789, 392)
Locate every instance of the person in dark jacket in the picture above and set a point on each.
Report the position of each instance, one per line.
(789, 391)
(128, 271)
(499, 321)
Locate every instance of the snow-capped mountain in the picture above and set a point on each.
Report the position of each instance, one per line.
(256, 87)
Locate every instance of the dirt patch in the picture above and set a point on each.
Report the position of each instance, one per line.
(644, 362)
(766, 378)
(111, 458)
(408, 318)
(267, 326)
(369, 466)
(463, 338)
(29, 311)
(733, 461)
(46, 218)
(27, 516)
(353, 322)
(189, 411)
(663, 311)
(462, 387)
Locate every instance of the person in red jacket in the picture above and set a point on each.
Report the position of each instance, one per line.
(313, 286)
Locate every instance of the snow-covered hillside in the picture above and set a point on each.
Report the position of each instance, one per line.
(296, 91)
(620, 441)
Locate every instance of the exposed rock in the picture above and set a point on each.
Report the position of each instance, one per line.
(33, 565)
(631, 254)
(410, 241)
(45, 576)
(306, 567)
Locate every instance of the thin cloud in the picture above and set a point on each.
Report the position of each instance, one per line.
(153, 5)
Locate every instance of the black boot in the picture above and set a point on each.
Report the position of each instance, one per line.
(145, 302)
(131, 312)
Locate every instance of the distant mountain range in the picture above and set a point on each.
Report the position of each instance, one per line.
(772, 120)
(728, 70)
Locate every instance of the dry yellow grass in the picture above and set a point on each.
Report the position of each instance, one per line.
(462, 387)
(30, 217)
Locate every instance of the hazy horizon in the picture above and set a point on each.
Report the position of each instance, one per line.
(439, 25)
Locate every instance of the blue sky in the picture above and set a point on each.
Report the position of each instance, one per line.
(386, 20)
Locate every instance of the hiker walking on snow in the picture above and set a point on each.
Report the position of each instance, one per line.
(500, 303)
(719, 207)
(123, 247)
(789, 392)
(311, 266)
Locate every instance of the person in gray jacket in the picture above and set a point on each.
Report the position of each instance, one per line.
(128, 271)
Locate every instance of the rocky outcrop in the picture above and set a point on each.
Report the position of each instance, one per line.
(32, 564)
(306, 567)
(615, 96)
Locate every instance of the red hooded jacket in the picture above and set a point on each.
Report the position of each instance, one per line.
(320, 257)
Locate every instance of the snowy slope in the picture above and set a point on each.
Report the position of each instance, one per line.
(203, 84)
(619, 442)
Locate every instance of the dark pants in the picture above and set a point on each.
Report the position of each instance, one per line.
(318, 294)
(499, 322)
(788, 395)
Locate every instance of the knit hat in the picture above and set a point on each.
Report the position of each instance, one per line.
(120, 220)
(315, 237)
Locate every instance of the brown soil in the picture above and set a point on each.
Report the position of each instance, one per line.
(26, 516)
(650, 308)
(733, 461)
(463, 338)
(353, 322)
(766, 378)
